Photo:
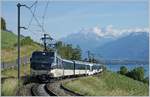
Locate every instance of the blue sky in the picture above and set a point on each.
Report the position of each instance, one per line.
(63, 17)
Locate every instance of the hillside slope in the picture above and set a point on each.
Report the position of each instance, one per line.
(9, 51)
(8, 39)
(108, 84)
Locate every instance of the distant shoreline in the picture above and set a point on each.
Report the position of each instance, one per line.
(126, 62)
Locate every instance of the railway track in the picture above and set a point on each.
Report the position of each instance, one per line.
(53, 88)
(41, 90)
(50, 89)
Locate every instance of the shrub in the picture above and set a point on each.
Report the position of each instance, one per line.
(123, 70)
(25, 41)
(3, 24)
(9, 87)
(146, 80)
(136, 73)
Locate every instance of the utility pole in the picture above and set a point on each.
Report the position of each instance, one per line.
(74, 67)
(93, 57)
(18, 5)
(19, 27)
(88, 52)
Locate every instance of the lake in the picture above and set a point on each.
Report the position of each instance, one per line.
(116, 68)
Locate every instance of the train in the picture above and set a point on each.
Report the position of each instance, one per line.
(45, 65)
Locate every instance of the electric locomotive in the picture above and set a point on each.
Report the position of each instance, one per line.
(41, 62)
(45, 65)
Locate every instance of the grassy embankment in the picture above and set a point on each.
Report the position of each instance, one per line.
(108, 84)
(9, 53)
(9, 86)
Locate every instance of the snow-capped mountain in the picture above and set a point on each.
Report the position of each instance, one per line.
(112, 43)
(88, 39)
(134, 46)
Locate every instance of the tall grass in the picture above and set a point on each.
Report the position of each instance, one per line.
(10, 87)
(8, 39)
(108, 84)
(12, 72)
(9, 51)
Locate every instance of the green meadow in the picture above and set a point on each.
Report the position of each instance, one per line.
(108, 84)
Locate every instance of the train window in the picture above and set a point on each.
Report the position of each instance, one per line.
(80, 66)
(68, 65)
(42, 54)
(42, 60)
(39, 66)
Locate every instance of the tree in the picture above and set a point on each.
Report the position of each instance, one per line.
(146, 80)
(59, 44)
(123, 70)
(136, 73)
(3, 24)
(67, 51)
(76, 55)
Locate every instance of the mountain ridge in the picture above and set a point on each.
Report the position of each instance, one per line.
(129, 47)
(90, 41)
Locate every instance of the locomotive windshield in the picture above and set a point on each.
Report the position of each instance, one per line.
(43, 56)
(42, 60)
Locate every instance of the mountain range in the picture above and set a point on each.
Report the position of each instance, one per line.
(130, 44)
(134, 46)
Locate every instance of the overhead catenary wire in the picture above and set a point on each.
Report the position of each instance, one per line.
(36, 19)
(33, 12)
(44, 14)
(43, 21)
(30, 22)
(33, 15)
(35, 32)
(33, 4)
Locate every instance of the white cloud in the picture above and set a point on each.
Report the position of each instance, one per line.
(98, 31)
(110, 31)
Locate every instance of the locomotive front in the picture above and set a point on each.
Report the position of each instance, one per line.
(41, 64)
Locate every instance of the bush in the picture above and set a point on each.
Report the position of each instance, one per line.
(9, 87)
(146, 80)
(25, 41)
(123, 70)
(136, 73)
(3, 24)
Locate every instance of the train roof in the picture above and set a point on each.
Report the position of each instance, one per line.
(67, 60)
(78, 62)
(43, 51)
(86, 63)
